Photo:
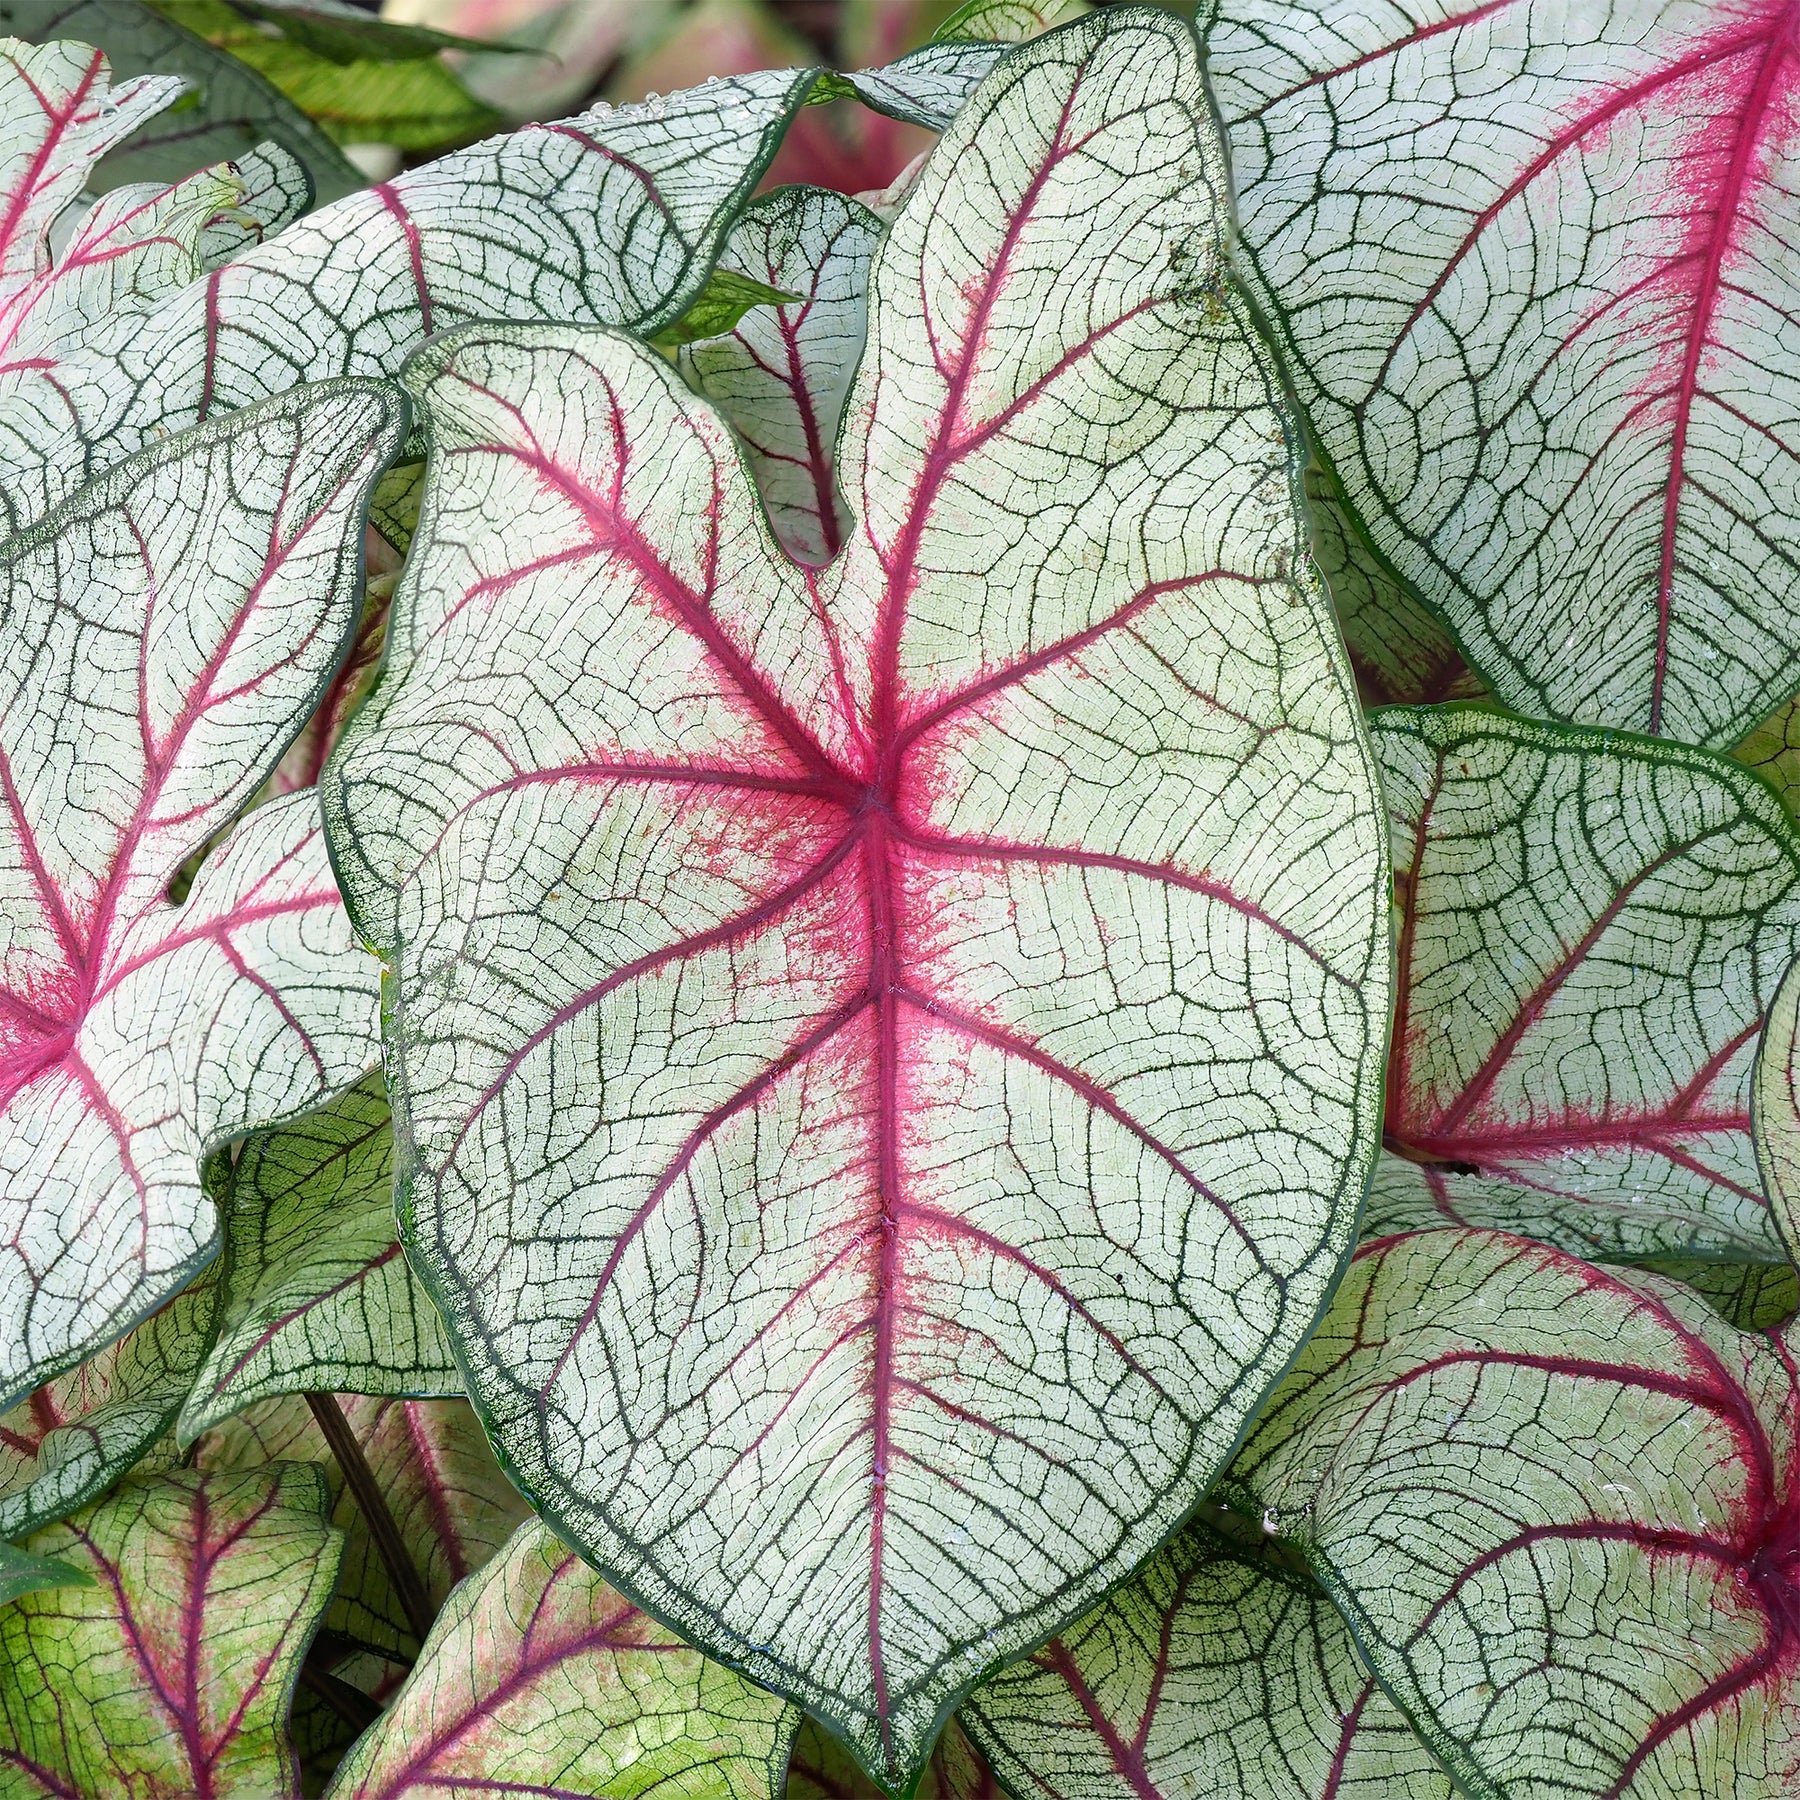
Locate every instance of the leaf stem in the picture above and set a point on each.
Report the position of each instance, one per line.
(350, 1704)
(409, 1588)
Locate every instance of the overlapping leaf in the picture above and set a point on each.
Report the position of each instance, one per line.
(781, 378)
(168, 1675)
(1216, 1670)
(539, 1680)
(71, 1439)
(1559, 1508)
(22, 1573)
(820, 1768)
(162, 636)
(318, 1295)
(1592, 928)
(1537, 317)
(885, 1074)
(1776, 1110)
(228, 111)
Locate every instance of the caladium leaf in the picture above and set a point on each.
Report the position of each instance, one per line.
(162, 635)
(74, 1437)
(1216, 1670)
(169, 1675)
(1558, 1508)
(1752, 1296)
(1535, 320)
(540, 1680)
(720, 305)
(927, 86)
(1773, 751)
(318, 1295)
(782, 376)
(22, 1573)
(821, 1768)
(774, 1064)
(615, 216)
(228, 111)
(1592, 926)
(1775, 1110)
(1006, 21)
(438, 1481)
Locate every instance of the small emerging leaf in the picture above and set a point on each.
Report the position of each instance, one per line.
(718, 306)
(539, 1680)
(168, 1674)
(23, 1573)
(318, 1295)
(1591, 928)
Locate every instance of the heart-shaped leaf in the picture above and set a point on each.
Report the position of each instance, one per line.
(438, 1482)
(71, 1439)
(318, 1295)
(228, 110)
(614, 216)
(1537, 318)
(1592, 926)
(886, 1056)
(782, 376)
(539, 1680)
(1217, 1669)
(169, 1674)
(162, 636)
(1558, 1507)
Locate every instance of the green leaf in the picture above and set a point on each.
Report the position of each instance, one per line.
(718, 306)
(1773, 751)
(1592, 926)
(1217, 1669)
(162, 635)
(170, 1673)
(345, 34)
(821, 1768)
(1006, 21)
(229, 109)
(74, 1437)
(614, 217)
(22, 1573)
(885, 1059)
(428, 1459)
(318, 1295)
(781, 378)
(1775, 1111)
(1752, 1296)
(540, 1680)
(1557, 1506)
(1537, 317)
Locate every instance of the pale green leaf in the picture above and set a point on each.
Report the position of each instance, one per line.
(438, 1480)
(1557, 1506)
(1215, 1670)
(168, 1676)
(781, 378)
(719, 306)
(162, 635)
(540, 1680)
(1006, 21)
(1530, 269)
(71, 1439)
(1592, 925)
(228, 111)
(22, 1573)
(821, 1768)
(1776, 1109)
(318, 1295)
(886, 1059)
(1773, 751)
(1752, 1296)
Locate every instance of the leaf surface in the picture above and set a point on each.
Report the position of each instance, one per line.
(169, 1676)
(1538, 319)
(540, 1680)
(431, 1464)
(1558, 1507)
(781, 377)
(821, 1768)
(317, 1293)
(232, 111)
(1592, 927)
(1215, 1670)
(72, 1438)
(162, 636)
(889, 1021)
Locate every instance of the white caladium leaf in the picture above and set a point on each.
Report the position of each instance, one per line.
(615, 216)
(1592, 926)
(1538, 321)
(886, 1056)
(1217, 1669)
(318, 1295)
(162, 636)
(71, 1439)
(168, 1671)
(540, 1681)
(927, 86)
(1558, 1507)
(59, 114)
(782, 375)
